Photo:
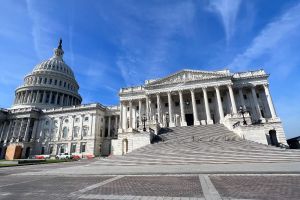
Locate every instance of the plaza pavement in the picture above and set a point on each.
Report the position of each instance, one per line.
(88, 179)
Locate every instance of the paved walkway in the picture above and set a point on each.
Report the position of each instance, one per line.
(95, 168)
(175, 187)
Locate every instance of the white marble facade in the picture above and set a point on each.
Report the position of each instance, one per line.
(47, 116)
(194, 97)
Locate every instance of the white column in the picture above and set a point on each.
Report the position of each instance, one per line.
(220, 107)
(8, 131)
(56, 98)
(121, 118)
(147, 108)
(44, 97)
(158, 109)
(116, 125)
(257, 108)
(125, 118)
(37, 99)
(183, 121)
(3, 130)
(20, 130)
(207, 110)
(27, 130)
(170, 103)
(108, 126)
(130, 116)
(242, 98)
(195, 112)
(270, 102)
(232, 100)
(140, 113)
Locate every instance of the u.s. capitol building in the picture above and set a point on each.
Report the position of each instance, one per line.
(47, 116)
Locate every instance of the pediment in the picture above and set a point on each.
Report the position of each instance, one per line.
(189, 75)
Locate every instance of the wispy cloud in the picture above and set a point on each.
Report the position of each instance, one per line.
(274, 44)
(227, 11)
(44, 28)
(144, 50)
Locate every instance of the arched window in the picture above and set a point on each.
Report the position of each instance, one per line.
(85, 131)
(65, 132)
(76, 131)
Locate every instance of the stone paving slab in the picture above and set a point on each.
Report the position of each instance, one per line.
(166, 186)
(45, 187)
(257, 187)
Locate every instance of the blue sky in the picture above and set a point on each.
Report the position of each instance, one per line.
(118, 43)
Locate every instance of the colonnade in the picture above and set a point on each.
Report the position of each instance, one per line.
(126, 120)
(13, 130)
(45, 97)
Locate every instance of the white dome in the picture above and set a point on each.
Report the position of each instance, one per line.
(50, 84)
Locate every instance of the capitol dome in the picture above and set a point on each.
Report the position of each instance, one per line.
(50, 84)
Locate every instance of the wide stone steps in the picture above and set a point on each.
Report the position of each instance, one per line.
(211, 144)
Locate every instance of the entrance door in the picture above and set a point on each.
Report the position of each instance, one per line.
(189, 119)
(27, 152)
(273, 138)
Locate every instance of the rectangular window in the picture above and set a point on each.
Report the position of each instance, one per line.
(166, 105)
(209, 100)
(137, 108)
(198, 101)
(82, 147)
(155, 105)
(176, 103)
(59, 83)
(55, 82)
(222, 99)
(73, 147)
(245, 96)
(50, 81)
(45, 80)
(257, 95)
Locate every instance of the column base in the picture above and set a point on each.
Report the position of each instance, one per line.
(209, 122)
(129, 130)
(120, 130)
(171, 124)
(196, 123)
(183, 124)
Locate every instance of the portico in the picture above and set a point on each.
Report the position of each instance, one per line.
(192, 97)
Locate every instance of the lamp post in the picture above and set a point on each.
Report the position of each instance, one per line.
(144, 119)
(243, 111)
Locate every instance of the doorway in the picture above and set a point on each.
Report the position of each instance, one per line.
(189, 119)
(273, 138)
(27, 152)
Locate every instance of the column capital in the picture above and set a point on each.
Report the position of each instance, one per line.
(192, 90)
(266, 85)
(229, 85)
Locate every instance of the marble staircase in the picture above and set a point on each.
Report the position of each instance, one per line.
(207, 144)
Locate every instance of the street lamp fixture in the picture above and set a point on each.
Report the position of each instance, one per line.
(243, 111)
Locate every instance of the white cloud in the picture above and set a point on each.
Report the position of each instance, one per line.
(273, 44)
(143, 55)
(227, 11)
